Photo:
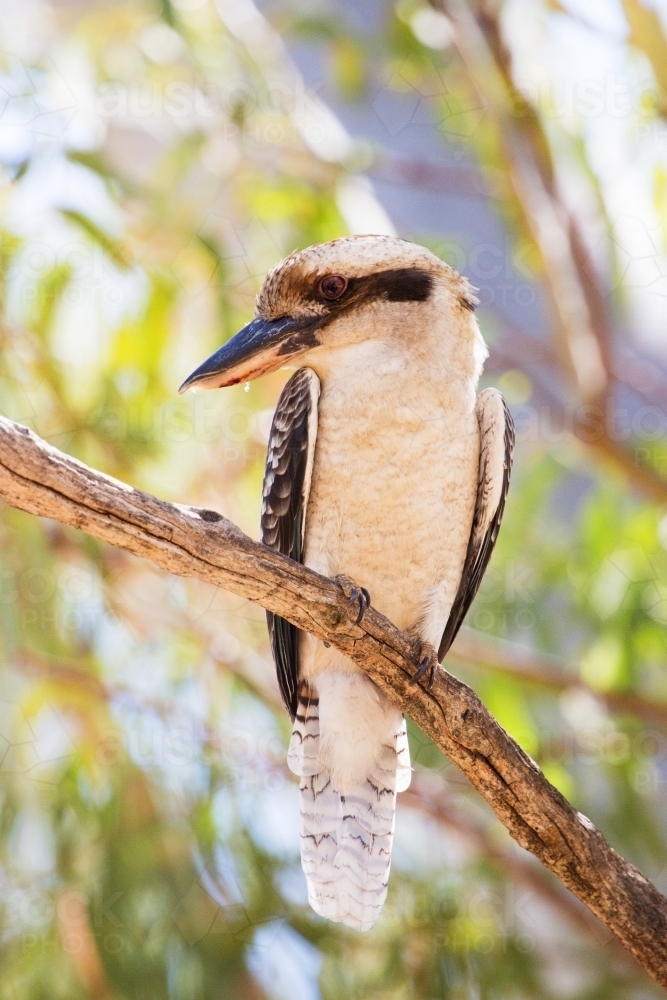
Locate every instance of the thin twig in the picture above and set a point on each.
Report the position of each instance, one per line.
(513, 660)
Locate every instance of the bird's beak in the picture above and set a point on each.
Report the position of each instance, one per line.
(260, 347)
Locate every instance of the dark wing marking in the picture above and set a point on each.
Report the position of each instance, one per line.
(496, 429)
(285, 491)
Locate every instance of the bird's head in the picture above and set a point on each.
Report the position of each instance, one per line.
(339, 294)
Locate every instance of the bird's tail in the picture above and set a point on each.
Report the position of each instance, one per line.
(346, 839)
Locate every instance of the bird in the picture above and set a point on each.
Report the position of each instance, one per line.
(387, 472)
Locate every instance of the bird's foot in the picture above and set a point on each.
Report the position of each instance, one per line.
(354, 594)
(428, 663)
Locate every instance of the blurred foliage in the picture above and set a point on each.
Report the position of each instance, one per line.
(157, 160)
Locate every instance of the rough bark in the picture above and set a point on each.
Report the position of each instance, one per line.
(192, 542)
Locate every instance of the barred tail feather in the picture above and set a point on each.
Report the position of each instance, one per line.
(403, 767)
(346, 839)
(304, 745)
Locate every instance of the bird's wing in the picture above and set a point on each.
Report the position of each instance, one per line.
(496, 431)
(289, 464)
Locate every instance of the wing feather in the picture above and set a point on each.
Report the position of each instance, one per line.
(496, 429)
(287, 476)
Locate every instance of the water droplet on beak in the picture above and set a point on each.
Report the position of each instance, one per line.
(246, 387)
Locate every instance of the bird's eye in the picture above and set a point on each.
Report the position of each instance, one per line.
(333, 286)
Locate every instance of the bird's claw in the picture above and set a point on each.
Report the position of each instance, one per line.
(364, 599)
(428, 663)
(355, 595)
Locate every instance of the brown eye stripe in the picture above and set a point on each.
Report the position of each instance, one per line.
(402, 284)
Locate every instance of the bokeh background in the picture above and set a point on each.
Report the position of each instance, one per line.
(156, 159)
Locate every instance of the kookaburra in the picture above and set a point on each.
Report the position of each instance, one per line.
(383, 468)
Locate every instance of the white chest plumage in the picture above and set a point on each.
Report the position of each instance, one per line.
(393, 486)
(391, 502)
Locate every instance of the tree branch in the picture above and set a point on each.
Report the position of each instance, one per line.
(590, 424)
(429, 792)
(513, 660)
(197, 543)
